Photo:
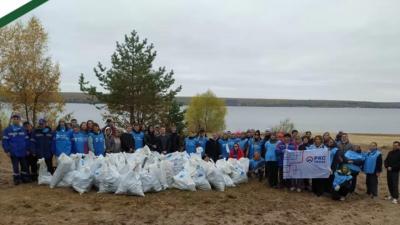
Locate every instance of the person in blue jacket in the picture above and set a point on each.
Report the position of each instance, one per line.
(42, 142)
(191, 143)
(341, 183)
(224, 146)
(62, 139)
(16, 144)
(281, 147)
(256, 145)
(373, 168)
(354, 161)
(257, 166)
(79, 141)
(271, 161)
(202, 138)
(332, 148)
(138, 136)
(96, 141)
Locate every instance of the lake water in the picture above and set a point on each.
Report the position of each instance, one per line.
(355, 120)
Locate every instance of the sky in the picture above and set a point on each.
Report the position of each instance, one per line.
(298, 49)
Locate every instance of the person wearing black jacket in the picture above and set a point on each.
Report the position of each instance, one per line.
(212, 148)
(31, 158)
(392, 165)
(151, 139)
(127, 141)
(164, 141)
(175, 140)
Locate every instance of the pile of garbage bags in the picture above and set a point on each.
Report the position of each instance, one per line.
(142, 172)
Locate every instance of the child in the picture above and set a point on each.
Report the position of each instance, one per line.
(373, 168)
(341, 184)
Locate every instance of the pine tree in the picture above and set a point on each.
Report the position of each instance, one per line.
(133, 91)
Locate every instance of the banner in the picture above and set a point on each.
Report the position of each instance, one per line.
(11, 10)
(312, 163)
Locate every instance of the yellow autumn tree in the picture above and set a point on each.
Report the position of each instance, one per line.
(29, 79)
(206, 111)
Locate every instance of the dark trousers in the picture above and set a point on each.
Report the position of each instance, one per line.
(49, 164)
(353, 182)
(282, 183)
(393, 183)
(272, 173)
(372, 184)
(343, 191)
(32, 166)
(23, 174)
(318, 186)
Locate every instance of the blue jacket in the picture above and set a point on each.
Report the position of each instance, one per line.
(255, 164)
(357, 158)
(222, 148)
(280, 151)
(62, 142)
(243, 143)
(42, 143)
(138, 137)
(332, 154)
(16, 141)
(231, 142)
(201, 141)
(340, 179)
(191, 144)
(270, 153)
(255, 146)
(80, 142)
(96, 143)
(373, 162)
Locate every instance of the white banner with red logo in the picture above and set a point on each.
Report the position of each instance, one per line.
(313, 163)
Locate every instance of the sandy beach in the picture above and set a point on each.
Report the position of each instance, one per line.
(252, 203)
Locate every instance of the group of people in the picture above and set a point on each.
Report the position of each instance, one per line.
(25, 145)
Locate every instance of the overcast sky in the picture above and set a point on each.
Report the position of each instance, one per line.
(298, 49)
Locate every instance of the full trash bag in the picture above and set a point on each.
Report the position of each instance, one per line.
(45, 176)
(83, 180)
(109, 180)
(215, 176)
(64, 166)
(183, 181)
(130, 183)
(238, 174)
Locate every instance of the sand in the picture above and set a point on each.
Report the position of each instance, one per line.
(252, 203)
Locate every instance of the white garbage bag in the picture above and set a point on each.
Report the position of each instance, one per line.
(183, 181)
(44, 177)
(224, 166)
(167, 172)
(83, 180)
(228, 181)
(109, 179)
(245, 162)
(150, 178)
(64, 166)
(215, 176)
(238, 174)
(130, 183)
(200, 179)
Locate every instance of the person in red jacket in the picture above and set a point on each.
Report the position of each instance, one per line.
(236, 152)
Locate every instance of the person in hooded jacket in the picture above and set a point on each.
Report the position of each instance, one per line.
(96, 141)
(16, 144)
(62, 139)
(373, 168)
(271, 161)
(341, 183)
(42, 142)
(236, 152)
(79, 141)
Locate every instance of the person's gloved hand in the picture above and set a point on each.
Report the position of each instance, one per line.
(337, 188)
